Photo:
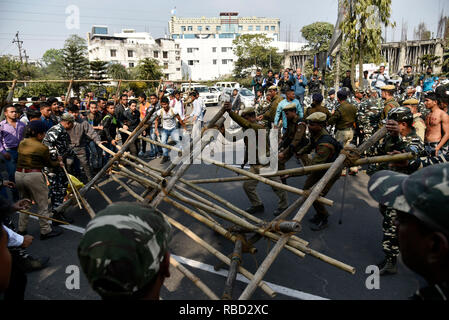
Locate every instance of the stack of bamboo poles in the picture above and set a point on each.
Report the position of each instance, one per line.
(211, 209)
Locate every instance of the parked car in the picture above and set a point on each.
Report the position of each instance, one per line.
(209, 97)
(227, 84)
(246, 96)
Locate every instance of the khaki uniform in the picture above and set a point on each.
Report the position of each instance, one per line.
(388, 105)
(250, 185)
(33, 185)
(271, 112)
(324, 153)
(319, 108)
(344, 118)
(420, 126)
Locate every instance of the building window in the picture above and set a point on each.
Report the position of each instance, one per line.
(178, 69)
(218, 28)
(207, 28)
(257, 28)
(113, 53)
(130, 54)
(183, 28)
(176, 46)
(192, 62)
(177, 52)
(156, 54)
(224, 61)
(200, 28)
(273, 28)
(214, 61)
(131, 64)
(165, 54)
(250, 28)
(165, 65)
(190, 28)
(191, 50)
(177, 58)
(240, 28)
(224, 49)
(214, 49)
(267, 28)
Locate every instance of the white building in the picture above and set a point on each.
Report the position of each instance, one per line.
(129, 46)
(206, 43)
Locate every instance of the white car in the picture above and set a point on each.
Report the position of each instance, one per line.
(246, 96)
(209, 98)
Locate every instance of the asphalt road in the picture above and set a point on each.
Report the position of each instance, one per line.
(357, 242)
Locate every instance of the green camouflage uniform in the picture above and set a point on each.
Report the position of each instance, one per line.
(262, 107)
(409, 143)
(331, 104)
(58, 142)
(422, 195)
(122, 248)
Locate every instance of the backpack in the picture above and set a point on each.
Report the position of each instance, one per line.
(330, 140)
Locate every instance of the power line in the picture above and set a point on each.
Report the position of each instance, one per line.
(19, 45)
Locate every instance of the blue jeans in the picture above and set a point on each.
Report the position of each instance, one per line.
(173, 133)
(95, 155)
(154, 149)
(11, 166)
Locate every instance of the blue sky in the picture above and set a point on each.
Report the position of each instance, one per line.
(42, 23)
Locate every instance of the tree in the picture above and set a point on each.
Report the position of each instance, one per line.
(318, 36)
(362, 30)
(147, 69)
(421, 32)
(76, 64)
(53, 63)
(254, 51)
(118, 71)
(98, 69)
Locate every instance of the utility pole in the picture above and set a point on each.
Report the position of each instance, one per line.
(19, 45)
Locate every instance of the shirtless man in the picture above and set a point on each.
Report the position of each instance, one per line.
(437, 123)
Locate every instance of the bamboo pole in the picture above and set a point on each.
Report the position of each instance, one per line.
(124, 186)
(205, 289)
(163, 145)
(42, 217)
(308, 169)
(132, 137)
(232, 274)
(96, 81)
(316, 190)
(10, 96)
(86, 204)
(266, 181)
(67, 96)
(216, 253)
(108, 200)
(220, 212)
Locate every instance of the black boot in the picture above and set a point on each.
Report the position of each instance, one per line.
(390, 266)
(255, 209)
(321, 225)
(279, 211)
(27, 262)
(56, 231)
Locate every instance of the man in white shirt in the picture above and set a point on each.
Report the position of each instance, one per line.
(199, 109)
(168, 117)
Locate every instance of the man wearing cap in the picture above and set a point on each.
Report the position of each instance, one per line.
(408, 78)
(344, 119)
(418, 122)
(437, 126)
(331, 103)
(30, 181)
(58, 142)
(270, 114)
(401, 137)
(421, 203)
(326, 149)
(389, 101)
(124, 252)
(289, 99)
(295, 136)
(248, 120)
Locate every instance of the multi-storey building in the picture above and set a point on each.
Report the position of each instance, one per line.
(129, 46)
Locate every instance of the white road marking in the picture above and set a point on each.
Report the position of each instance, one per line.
(207, 267)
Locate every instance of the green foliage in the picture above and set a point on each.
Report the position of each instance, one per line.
(118, 71)
(253, 51)
(98, 69)
(445, 64)
(147, 69)
(318, 36)
(362, 29)
(53, 60)
(429, 60)
(76, 64)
